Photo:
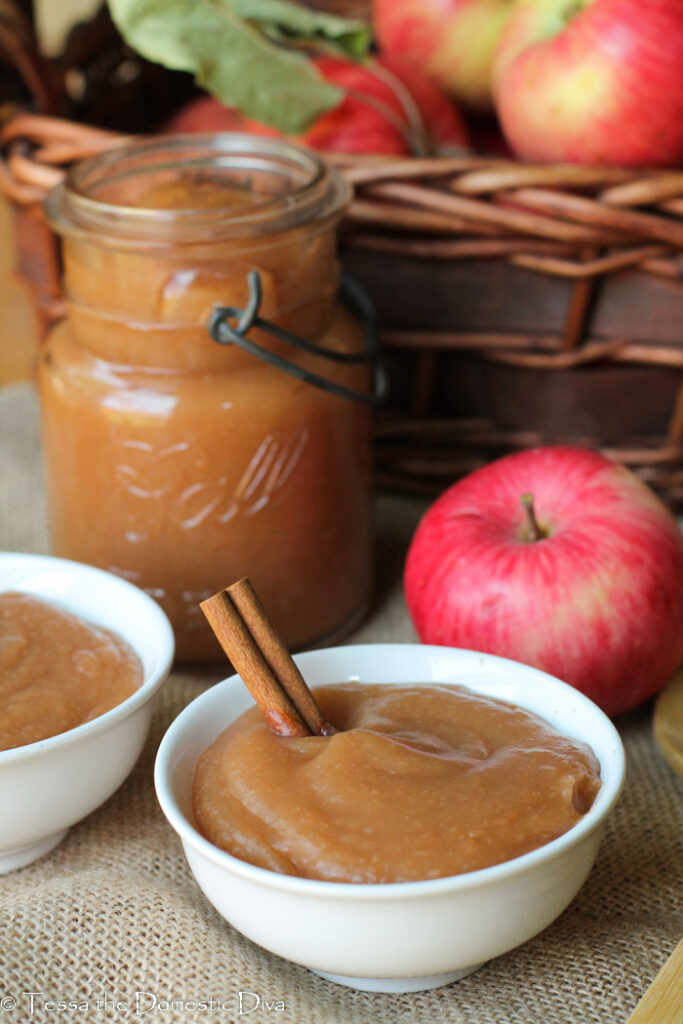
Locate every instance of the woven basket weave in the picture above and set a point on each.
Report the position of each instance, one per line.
(524, 305)
(519, 305)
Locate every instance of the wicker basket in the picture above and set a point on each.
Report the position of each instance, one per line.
(519, 305)
(524, 305)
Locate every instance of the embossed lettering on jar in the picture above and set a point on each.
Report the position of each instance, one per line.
(182, 464)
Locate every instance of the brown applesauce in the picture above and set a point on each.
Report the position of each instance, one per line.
(57, 671)
(181, 464)
(420, 782)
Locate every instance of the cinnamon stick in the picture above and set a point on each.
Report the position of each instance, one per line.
(269, 672)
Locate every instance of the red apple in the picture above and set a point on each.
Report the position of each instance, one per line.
(593, 81)
(596, 598)
(452, 40)
(390, 107)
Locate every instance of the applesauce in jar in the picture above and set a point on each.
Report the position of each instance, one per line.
(183, 464)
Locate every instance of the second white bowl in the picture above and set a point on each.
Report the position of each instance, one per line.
(46, 787)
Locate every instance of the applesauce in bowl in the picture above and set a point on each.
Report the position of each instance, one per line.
(395, 936)
(417, 782)
(177, 462)
(73, 740)
(57, 671)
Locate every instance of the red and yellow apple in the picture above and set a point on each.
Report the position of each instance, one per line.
(452, 40)
(560, 559)
(593, 81)
(390, 107)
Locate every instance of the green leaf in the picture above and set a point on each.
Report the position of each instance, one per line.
(223, 44)
(283, 20)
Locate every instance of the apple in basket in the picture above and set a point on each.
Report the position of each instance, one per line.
(452, 40)
(390, 107)
(558, 558)
(593, 81)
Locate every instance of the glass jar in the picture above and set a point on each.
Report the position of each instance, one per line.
(181, 464)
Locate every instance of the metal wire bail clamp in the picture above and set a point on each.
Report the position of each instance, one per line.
(352, 295)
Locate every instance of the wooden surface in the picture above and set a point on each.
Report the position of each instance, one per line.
(663, 1001)
(668, 725)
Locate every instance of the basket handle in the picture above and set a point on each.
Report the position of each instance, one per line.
(35, 151)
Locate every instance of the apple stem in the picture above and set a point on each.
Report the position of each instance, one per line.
(534, 531)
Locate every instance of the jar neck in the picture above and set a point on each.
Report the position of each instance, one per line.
(153, 310)
(157, 234)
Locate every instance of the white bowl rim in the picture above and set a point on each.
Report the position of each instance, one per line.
(593, 819)
(127, 707)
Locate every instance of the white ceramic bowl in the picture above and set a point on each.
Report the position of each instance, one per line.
(412, 935)
(46, 787)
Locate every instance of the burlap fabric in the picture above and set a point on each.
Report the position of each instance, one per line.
(113, 921)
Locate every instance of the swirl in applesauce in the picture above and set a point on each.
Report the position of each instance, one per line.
(421, 781)
(56, 670)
